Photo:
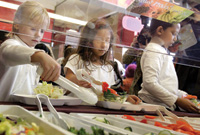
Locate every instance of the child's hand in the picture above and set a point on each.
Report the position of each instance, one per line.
(187, 105)
(133, 99)
(50, 66)
(84, 84)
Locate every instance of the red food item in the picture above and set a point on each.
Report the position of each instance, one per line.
(149, 117)
(113, 91)
(104, 86)
(191, 97)
(128, 117)
(144, 121)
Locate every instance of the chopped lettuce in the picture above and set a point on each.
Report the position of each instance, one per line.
(10, 126)
(49, 90)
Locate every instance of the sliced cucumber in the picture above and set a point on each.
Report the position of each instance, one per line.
(128, 128)
(165, 132)
(150, 134)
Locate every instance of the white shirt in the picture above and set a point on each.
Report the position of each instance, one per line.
(160, 83)
(17, 75)
(103, 73)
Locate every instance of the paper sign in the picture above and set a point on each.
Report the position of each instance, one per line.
(160, 10)
(132, 24)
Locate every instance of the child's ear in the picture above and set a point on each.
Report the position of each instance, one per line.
(159, 30)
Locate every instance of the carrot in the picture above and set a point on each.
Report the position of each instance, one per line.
(149, 117)
(191, 97)
(128, 117)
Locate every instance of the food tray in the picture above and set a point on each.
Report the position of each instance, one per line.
(47, 128)
(128, 106)
(30, 100)
(78, 123)
(137, 127)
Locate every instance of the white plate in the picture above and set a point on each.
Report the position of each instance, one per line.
(128, 106)
(30, 100)
(46, 127)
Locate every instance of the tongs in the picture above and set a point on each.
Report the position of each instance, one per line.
(45, 99)
(81, 74)
(168, 113)
(84, 94)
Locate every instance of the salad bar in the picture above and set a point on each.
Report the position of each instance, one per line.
(111, 115)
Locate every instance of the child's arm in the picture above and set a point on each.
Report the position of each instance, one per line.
(72, 77)
(50, 66)
(187, 105)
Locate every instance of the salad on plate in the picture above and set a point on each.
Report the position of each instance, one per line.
(49, 90)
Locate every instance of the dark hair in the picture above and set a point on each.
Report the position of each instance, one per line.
(42, 46)
(156, 23)
(143, 39)
(86, 41)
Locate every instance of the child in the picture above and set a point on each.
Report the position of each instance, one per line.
(18, 58)
(129, 74)
(160, 84)
(93, 55)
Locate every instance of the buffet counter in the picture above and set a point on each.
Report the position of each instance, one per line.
(95, 110)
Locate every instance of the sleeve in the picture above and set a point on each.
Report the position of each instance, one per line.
(12, 53)
(72, 63)
(151, 64)
(182, 93)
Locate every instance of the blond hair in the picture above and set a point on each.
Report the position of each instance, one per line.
(31, 13)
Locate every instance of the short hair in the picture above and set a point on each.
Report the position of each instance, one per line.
(31, 13)
(156, 23)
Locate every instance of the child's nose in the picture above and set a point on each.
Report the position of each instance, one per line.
(38, 33)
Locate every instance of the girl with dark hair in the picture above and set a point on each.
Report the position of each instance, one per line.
(93, 55)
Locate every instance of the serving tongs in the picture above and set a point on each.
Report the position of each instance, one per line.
(41, 98)
(87, 95)
(168, 113)
(81, 74)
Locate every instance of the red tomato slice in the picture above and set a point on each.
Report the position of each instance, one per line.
(144, 121)
(104, 86)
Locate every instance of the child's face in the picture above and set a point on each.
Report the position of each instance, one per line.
(169, 35)
(101, 42)
(31, 35)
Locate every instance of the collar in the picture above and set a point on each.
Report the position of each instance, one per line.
(19, 39)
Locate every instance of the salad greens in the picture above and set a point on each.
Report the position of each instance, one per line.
(100, 119)
(95, 130)
(49, 90)
(10, 126)
(163, 132)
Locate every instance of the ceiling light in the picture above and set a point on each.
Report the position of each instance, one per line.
(51, 15)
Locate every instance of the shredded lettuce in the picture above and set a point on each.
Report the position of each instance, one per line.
(10, 126)
(49, 90)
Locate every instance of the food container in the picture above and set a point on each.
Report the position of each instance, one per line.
(78, 122)
(46, 127)
(116, 121)
(30, 100)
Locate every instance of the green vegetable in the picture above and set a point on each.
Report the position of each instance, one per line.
(149, 134)
(165, 132)
(100, 119)
(11, 126)
(128, 128)
(49, 90)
